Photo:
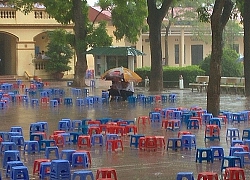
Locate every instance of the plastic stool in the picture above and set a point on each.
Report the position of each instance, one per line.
(235, 149)
(46, 143)
(97, 139)
(44, 170)
(68, 154)
(84, 140)
(236, 142)
(207, 176)
(150, 143)
(188, 141)
(232, 160)
(232, 133)
(17, 129)
(143, 119)
(114, 144)
(54, 149)
(246, 134)
(155, 116)
(243, 155)
(217, 152)
(193, 123)
(174, 143)
(18, 140)
(66, 138)
(233, 173)
(106, 173)
(37, 136)
(11, 164)
(84, 174)
(31, 147)
(37, 165)
(88, 154)
(64, 125)
(80, 158)
(60, 169)
(186, 175)
(12, 155)
(20, 172)
(53, 103)
(68, 101)
(134, 140)
(215, 121)
(5, 146)
(200, 153)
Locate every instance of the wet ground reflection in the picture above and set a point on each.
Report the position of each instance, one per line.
(131, 164)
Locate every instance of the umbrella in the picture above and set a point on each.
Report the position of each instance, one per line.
(121, 73)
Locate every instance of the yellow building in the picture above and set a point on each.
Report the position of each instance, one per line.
(22, 37)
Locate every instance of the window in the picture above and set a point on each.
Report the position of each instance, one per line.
(177, 53)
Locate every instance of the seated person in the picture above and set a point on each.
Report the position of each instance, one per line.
(127, 90)
(115, 89)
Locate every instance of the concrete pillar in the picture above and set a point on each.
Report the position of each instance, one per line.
(182, 47)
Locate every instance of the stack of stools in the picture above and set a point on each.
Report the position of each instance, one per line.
(188, 141)
(208, 176)
(83, 174)
(232, 161)
(60, 169)
(186, 175)
(212, 132)
(108, 173)
(11, 155)
(37, 165)
(232, 173)
(200, 155)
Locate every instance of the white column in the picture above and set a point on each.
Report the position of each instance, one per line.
(182, 55)
(139, 47)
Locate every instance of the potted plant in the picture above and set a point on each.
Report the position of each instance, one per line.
(59, 53)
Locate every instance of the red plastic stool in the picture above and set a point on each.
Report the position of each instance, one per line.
(104, 173)
(180, 133)
(234, 173)
(59, 140)
(37, 163)
(114, 143)
(144, 119)
(128, 128)
(94, 130)
(83, 140)
(161, 143)
(142, 143)
(150, 143)
(157, 109)
(224, 118)
(208, 176)
(44, 100)
(157, 98)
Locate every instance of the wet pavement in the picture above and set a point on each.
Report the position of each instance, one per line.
(130, 164)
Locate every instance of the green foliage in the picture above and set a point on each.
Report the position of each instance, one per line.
(129, 18)
(188, 73)
(99, 36)
(59, 51)
(230, 66)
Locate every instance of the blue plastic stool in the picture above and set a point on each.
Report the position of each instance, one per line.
(11, 164)
(5, 146)
(36, 127)
(216, 121)
(236, 141)
(97, 139)
(66, 154)
(88, 100)
(172, 97)
(155, 116)
(193, 123)
(11, 155)
(60, 169)
(232, 160)
(66, 138)
(64, 125)
(206, 117)
(44, 170)
(36, 137)
(46, 143)
(235, 149)
(174, 143)
(18, 140)
(20, 172)
(246, 134)
(75, 124)
(186, 175)
(34, 102)
(111, 136)
(134, 139)
(243, 156)
(80, 159)
(84, 174)
(31, 147)
(17, 129)
(44, 125)
(232, 133)
(48, 151)
(80, 102)
(5, 136)
(53, 103)
(188, 141)
(217, 152)
(68, 101)
(200, 152)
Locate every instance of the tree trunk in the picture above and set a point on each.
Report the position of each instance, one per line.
(246, 21)
(80, 29)
(221, 13)
(166, 43)
(155, 18)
